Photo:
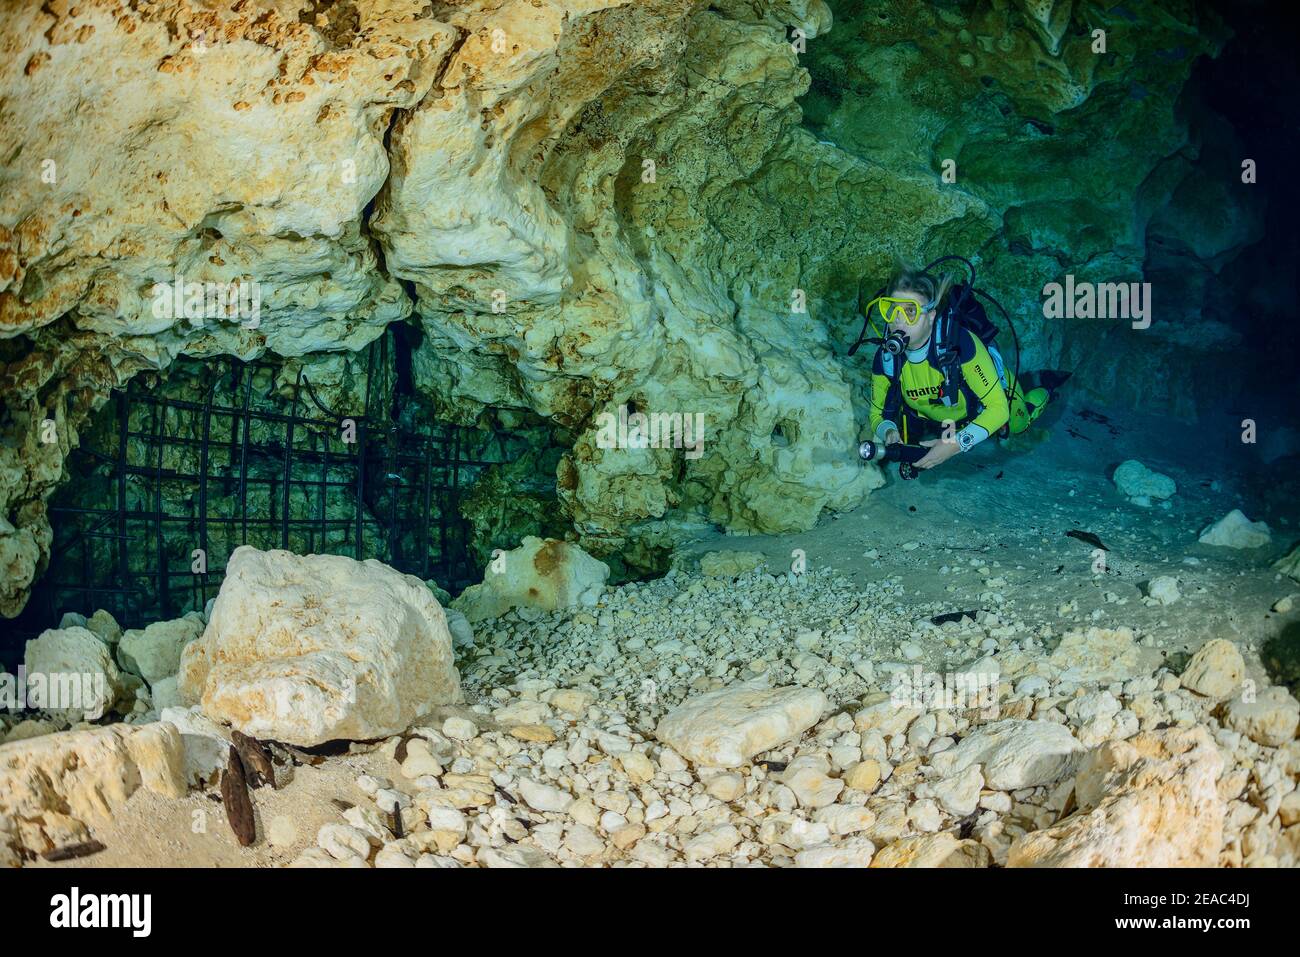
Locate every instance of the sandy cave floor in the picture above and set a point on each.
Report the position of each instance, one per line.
(985, 532)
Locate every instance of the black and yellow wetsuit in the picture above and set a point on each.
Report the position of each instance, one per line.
(906, 394)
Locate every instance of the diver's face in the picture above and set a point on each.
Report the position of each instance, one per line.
(917, 333)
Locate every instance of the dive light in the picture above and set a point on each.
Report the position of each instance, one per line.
(905, 455)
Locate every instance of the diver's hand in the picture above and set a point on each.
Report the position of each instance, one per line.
(940, 452)
(892, 437)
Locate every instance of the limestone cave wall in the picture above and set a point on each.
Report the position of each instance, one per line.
(584, 205)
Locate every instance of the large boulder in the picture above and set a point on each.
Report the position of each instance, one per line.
(1216, 670)
(541, 573)
(308, 649)
(724, 729)
(1235, 530)
(71, 673)
(54, 788)
(1151, 801)
(1142, 486)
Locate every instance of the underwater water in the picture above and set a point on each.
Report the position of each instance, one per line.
(813, 434)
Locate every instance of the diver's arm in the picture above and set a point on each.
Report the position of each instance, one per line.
(880, 383)
(981, 374)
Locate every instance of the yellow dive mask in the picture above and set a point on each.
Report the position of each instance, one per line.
(891, 309)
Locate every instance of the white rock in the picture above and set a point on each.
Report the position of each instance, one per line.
(881, 713)
(1099, 704)
(30, 728)
(448, 819)
(368, 821)
(545, 574)
(853, 853)
(712, 843)
(922, 731)
(543, 797)
(159, 757)
(388, 800)
(314, 857)
(726, 787)
(71, 673)
(996, 801)
(670, 761)
(1140, 485)
(514, 855)
(394, 856)
(308, 649)
(1097, 655)
(808, 777)
(342, 841)
(924, 816)
(459, 729)
(959, 795)
(165, 693)
(1216, 670)
(728, 727)
(1153, 803)
(1014, 754)
(1164, 589)
(206, 746)
(1270, 719)
(462, 632)
(583, 840)
(932, 850)
(638, 767)
(420, 761)
(522, 712)
(154, 652)
(1032, 686)
(793, 832)
(570, 700)
(1235, 530)
(845, 819)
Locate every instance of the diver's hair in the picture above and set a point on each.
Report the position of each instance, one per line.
(910, 278)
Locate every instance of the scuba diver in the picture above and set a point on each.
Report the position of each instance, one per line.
(938, 382)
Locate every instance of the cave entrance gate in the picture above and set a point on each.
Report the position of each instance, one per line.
(184, 481)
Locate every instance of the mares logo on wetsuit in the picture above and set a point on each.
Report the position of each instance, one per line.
(917, 393)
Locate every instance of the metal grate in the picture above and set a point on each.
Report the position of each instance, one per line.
(186, 481)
